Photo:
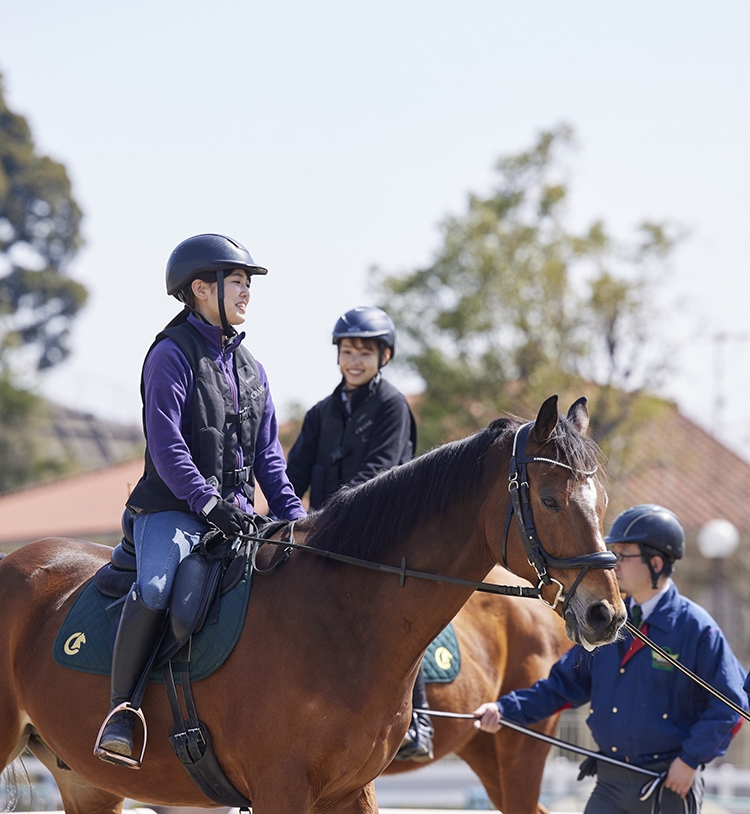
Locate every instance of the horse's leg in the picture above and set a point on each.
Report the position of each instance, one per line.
(510, 769)
(78, 796)
(481, 755)
(522, 759)
(361, 802)
(14, 725)
(13, 734)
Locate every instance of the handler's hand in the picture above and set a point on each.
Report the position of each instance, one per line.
(679, 777)
(487, 717)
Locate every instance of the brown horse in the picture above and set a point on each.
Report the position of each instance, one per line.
(315, 699)
(505, 643)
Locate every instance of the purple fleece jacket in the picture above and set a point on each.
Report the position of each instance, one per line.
(168, 383)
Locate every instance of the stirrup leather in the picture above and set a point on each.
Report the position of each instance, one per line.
(116, 757)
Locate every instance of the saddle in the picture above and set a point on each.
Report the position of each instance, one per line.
(206, 574)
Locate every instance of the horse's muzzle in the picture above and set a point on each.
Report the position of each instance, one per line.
(595, 624)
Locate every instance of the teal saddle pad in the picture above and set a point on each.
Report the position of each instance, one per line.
(442, 661)
(84, 641)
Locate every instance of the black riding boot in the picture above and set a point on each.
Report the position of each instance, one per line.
(137, 637)
(417, 743)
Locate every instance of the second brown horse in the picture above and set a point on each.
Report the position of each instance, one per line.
(505, 643)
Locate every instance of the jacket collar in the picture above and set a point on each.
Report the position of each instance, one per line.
(361, 393)
(664, 615)
(212, 336)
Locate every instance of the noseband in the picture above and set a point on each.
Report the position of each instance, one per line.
(520, 508)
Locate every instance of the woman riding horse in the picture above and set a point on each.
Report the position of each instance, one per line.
(211, 430)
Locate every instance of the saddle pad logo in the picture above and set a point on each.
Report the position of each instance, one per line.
(443, 658)
(442, 661)
(74, 643)
(660, 663)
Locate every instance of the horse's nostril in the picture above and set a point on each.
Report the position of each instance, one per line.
(599, 615)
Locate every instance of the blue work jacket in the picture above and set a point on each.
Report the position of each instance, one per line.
(644, 710)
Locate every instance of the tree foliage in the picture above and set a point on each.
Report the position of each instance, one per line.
(25, 460)
(39, 235)
(516, 306)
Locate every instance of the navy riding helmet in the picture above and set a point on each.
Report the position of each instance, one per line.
(366, 323)
(207, 252)
(649, 525)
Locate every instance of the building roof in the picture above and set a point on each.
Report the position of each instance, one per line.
(87, 505)
(674, 463)
(89, 441)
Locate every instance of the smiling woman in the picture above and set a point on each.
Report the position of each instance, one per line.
(210, 430)
(231, 308)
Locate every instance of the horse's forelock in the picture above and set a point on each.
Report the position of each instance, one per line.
(579, 452)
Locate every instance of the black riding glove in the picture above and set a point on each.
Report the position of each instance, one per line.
(228, 518)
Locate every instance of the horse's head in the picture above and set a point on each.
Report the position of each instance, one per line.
(554, 530)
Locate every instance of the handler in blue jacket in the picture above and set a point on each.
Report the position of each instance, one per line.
(643, 710)
(211, 432)
(364, 427)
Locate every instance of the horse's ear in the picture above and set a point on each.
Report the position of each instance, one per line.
(579, 415)
(545, 422)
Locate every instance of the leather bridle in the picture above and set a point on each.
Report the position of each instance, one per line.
(520, 508)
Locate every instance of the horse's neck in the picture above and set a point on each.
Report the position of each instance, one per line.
(461, 545)
(402, 620)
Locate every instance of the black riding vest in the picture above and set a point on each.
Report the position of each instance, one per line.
(342, 442)
(216, 428)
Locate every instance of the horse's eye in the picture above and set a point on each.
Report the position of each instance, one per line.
(551, 504)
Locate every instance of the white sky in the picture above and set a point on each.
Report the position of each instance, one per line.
(330, 136)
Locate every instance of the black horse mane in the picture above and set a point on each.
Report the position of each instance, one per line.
(362, 521)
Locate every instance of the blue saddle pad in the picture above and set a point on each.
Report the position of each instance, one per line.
(442, 661)
(86, 636)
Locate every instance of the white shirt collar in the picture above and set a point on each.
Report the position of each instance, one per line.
(648, 606)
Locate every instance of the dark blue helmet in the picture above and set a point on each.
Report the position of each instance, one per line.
(207, 252)
(366, 323)
(649, 525)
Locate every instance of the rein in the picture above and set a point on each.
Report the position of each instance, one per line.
(402, 572)
(546, 738)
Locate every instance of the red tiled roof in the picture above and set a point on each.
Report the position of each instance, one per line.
(77, 506)
(678, 465)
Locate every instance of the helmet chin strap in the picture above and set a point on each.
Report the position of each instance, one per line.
(226, 328)
(654, 574)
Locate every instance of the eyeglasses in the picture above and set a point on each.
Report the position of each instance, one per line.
(620, 556)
